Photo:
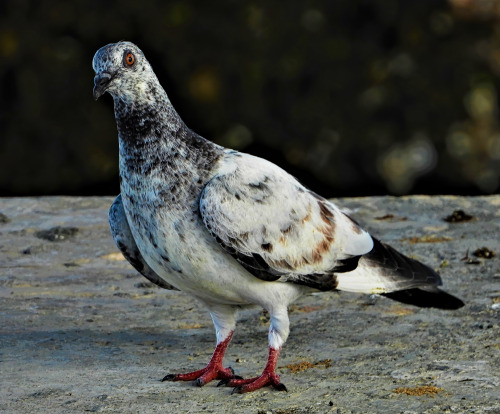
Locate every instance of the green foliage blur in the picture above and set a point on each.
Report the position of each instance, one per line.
(354, 97)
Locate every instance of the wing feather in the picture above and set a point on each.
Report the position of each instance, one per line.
(274, 226)
(120, 230)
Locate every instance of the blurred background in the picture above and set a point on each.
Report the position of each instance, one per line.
(354, 97)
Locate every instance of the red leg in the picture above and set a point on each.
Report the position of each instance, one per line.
(214, 369)
(267, 378)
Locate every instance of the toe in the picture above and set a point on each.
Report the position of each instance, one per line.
(199, 382)
(281, 387)
(237, 390)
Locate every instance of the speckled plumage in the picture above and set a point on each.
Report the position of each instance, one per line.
(230, 229)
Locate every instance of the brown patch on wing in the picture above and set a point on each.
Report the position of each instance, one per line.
(328, 230)
(233, 242)
(268, 247)
(355, 226)
(322, 248)
(326, 214)
(316, 256)
(308, 216)
(283, 264)
(285, 232)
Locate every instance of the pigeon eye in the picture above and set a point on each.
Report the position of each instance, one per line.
(129, 59)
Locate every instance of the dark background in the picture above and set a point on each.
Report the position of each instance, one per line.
(353, 97)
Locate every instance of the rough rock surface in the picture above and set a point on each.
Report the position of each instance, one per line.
(81, 331)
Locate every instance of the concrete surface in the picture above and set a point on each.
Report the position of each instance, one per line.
(82, 332)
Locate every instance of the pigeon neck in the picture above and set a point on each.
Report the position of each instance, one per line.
(154, 139)
(145, 116)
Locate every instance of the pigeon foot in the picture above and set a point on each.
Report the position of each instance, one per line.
(267, 379)
(214, 369)
(203, 376)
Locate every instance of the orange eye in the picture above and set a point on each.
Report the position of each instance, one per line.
(129, 59)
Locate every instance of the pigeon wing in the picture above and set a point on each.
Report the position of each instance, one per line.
(275, 227)
(120, 230)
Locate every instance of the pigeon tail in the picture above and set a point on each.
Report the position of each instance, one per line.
(390, 273)
(426, 298)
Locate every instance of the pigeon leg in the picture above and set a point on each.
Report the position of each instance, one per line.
(224, 321)
(214, 369)
(278, 333)
(267, 378)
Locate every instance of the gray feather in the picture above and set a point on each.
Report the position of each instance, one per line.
(125, 242)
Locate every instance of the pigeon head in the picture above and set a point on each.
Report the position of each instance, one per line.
(123, 71)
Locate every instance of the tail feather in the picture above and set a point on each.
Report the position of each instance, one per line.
(426, 298)
(386, 271)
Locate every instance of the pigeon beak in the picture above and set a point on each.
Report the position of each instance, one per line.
(101, 82)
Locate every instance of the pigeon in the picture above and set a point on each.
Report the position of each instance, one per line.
(233, 230)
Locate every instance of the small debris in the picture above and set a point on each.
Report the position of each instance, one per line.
(432, 238)
(444, 263)
(292, 410)
(305, 365)
(122, 294)
(3, 218)
(469, 260)
(34, 249)
(57, 233)
(484, 253)
(386, 217)
(115, 256)
(370, 300)
(189, 326)
(303, 309)
(400, 311)
(391, 217)
(458, 216)
(145, 285)
(419, 391)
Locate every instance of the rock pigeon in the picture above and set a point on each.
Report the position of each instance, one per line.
(230, 229)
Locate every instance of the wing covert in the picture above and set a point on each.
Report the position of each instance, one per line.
(274, 226)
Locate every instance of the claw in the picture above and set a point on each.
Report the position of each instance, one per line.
(281, 387)
(237, 390)
(253, 384)
(169, 377)
(223, 382)
(198, 382)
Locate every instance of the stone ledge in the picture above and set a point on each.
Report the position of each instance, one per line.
(81, 331)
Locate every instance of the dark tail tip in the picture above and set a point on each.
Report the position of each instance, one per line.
(426, 298)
